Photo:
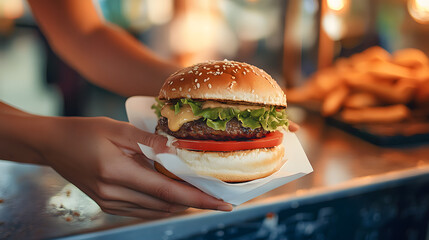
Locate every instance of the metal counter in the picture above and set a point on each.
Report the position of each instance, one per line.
(37, 203)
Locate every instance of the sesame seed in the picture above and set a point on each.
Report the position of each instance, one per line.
(190, 71)
(173, 89)
(180, 89)
(253, 90)
(189, 89)
(170, 82)
(198, 85)
(196, 80)
(244, 73)
(188, 96)
(232, 77)
(200, 74)
(210, 86)
(216, 66)
(182, 79)
(208, 68)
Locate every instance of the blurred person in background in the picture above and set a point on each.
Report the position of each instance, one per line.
(97, 154)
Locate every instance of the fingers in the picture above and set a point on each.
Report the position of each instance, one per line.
(160, 187)
(293, 127)
(127, 136)
(115, 193)
(132, 174)
(138, 213)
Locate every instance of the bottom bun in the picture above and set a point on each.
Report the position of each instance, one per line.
(236, 166)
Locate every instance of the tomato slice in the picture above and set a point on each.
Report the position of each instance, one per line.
(270, 140)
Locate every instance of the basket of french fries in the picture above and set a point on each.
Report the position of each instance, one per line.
(375, 92)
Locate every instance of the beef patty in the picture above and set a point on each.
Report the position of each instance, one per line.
(198, 129)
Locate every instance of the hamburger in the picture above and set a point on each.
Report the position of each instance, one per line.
(226, 117)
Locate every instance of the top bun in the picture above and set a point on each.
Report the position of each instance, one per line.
(224, 81)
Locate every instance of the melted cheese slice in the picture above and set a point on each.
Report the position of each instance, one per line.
(175, 121)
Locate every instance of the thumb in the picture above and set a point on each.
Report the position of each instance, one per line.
(157, 142)
(293, 127)
(131, 135)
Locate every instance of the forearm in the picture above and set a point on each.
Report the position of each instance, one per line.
(106, 55)
(20, 134)
(117, 62)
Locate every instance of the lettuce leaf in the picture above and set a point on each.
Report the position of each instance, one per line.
(217, 118)
(157, 107)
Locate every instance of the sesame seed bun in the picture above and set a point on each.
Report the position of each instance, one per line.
(233, 167)
(224, 81)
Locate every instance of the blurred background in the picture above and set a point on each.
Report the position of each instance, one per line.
(291, 40)
(360, 65)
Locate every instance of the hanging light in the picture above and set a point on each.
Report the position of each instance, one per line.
(419, 10)
(338, 5)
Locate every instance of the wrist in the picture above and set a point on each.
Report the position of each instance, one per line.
(25, 136)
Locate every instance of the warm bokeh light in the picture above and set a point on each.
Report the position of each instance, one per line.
(333, 25)
(11, 9)
(160, 11)
(336, 5)
(199, 32)
(419, 10)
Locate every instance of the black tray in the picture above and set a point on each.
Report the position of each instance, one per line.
(367, 133)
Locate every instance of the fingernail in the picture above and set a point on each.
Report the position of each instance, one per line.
(225, 208)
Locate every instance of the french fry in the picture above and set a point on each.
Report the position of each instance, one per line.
(372, 54)
(389, 70)
(334, 100)
(299, 95)
(422, 94)
(343, 66)
(410, 57)
(327, 80)
(421, 74)
(372, 78)
(376, 53)
(389, 114)
(401, 92)
(355, 78)
(361, 100)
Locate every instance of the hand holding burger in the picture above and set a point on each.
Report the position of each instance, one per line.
(226, 117)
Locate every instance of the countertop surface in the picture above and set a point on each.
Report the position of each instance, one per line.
(35, 202)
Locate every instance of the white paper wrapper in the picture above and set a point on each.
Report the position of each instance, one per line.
(297, 165)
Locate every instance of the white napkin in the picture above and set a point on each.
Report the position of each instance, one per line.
(297, 165)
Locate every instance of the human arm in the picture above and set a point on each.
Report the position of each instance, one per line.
(89, 153)
(105, 54)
